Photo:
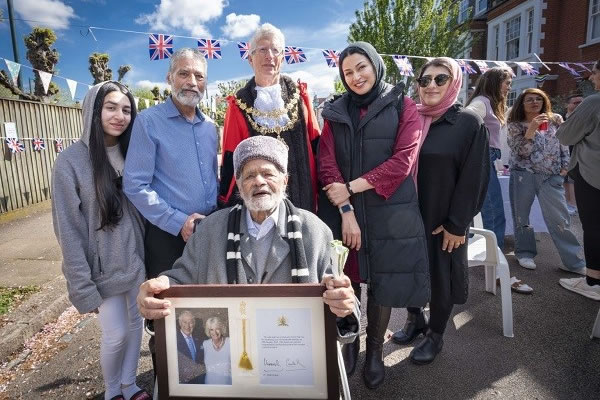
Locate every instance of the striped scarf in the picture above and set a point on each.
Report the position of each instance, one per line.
(299, 267)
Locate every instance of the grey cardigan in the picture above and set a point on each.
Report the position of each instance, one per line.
(204, 256)
(582, 130)
(97, 264)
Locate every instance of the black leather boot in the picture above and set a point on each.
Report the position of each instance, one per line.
(426, 351)
(377, 322)
(415, 325)
(350, 354)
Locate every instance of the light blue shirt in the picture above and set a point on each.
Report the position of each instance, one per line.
(171, 166)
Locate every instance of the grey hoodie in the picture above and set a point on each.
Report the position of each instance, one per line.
(96, 263)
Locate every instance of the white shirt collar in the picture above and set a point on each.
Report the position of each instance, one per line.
(258, 231)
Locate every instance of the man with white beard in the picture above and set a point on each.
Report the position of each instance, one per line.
(171, 166)
(265, 240)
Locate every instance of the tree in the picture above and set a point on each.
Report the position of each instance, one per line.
(99, 67)
(166, 93)
(338, 86)
(225, 89)
(156, 92)
(411, 27)
(123, 69)
(42, 57)
(142, 94)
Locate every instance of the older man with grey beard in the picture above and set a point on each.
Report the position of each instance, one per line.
(265, 240)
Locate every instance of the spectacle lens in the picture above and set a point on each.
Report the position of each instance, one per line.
(440, 80)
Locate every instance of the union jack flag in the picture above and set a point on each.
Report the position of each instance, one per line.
(58, 145)
(244, 49)
(210, 48)
(466, 67)
(404, 65)
(294, 55)
(527, 68)
(569, 68)
(15, 146)
(503, 64)
(160, 46)
(38, 144)
(482, 65)
(332, 57)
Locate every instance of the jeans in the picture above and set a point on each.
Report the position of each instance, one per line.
(492, 211)
(588, 199)
(523, 187)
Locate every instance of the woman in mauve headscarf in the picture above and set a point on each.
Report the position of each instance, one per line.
(453, 173)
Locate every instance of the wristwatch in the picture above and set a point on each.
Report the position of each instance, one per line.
(345, 208)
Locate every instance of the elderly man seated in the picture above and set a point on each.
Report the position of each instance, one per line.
(265, 240)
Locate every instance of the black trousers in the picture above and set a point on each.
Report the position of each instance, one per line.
(588, 204)
(161, 249)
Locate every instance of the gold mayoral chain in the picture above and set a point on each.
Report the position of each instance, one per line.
(292, 106)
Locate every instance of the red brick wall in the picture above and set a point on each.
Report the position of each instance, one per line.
(565, 30)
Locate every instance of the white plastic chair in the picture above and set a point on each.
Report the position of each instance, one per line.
(483, 250)
(596, 328)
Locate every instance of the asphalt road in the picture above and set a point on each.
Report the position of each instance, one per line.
(550, 357)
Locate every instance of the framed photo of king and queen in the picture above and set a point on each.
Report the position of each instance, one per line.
(247, 342)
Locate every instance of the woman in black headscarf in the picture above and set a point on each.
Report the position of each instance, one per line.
(367, 154)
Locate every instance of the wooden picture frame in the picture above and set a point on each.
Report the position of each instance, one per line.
(281, 340)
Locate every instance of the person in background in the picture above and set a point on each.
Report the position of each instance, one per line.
(538, 164)
(489, 102)
(367, 160)
(101, 234)
(582, 131)
(453, 176)
(274, 105)
(573, 101)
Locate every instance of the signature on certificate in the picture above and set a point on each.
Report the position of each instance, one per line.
(272, 365)
(276, 365)
(294, 365)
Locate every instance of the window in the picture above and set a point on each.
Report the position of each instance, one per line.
(463, 11)
(480, 6)
(594, 20)
(513, 31)
(530, 30)
(510, 99)
(496, 42)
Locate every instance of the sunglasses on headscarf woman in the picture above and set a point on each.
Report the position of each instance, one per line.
(440, 80)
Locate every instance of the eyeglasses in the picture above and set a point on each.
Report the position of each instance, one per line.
(440, 80)
(533, 100)
(263, 51)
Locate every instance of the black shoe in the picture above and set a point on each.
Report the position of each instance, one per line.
(350, 354)
(414, 326)
(377, 322)
(426, 351)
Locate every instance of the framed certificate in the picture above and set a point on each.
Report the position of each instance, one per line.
(247, 342)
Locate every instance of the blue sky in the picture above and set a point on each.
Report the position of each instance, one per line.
(315, 24)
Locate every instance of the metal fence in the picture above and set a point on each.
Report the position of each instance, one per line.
(25, 177)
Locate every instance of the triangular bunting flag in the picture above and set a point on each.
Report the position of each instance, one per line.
(482, 65)
(502, 64)
(45, 78)
(38, 144)
(58, 145)
(466, 67)
(568, 68)
(72, 87)
(527, 68)
(15, 145)
(581, 65)
(404, 65)
(13, 69)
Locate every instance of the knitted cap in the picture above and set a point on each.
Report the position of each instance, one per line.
(260, 147)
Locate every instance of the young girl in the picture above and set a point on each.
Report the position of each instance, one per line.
(101, 233)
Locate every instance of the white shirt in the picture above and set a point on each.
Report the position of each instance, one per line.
(268, 98)
(259, 231)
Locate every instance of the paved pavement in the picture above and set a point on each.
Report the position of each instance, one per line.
(550, 357)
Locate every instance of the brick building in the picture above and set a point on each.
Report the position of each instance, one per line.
(555, 30)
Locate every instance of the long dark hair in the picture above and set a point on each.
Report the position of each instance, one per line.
(517, 113)
(490, 85)
(106, 182)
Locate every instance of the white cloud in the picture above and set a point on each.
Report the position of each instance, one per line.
(333, 34)
(50, 13)
(191, 15)
(146, 84)
(317, 75)
(239, 26)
